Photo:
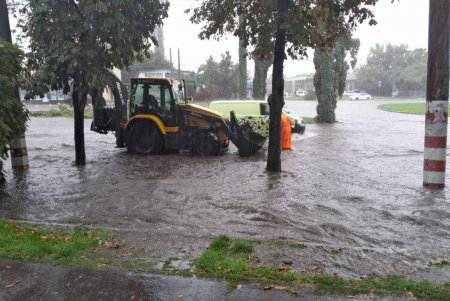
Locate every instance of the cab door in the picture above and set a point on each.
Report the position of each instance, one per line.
(153, 96)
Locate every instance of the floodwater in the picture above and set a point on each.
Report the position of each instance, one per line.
(355, 185)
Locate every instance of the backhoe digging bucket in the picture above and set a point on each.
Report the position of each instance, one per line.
(248, 141)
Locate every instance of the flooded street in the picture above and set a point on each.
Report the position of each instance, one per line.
(355, 186)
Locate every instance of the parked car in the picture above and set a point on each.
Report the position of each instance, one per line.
(301, 92)
(256, 113)
(360, 96)
(348, 93)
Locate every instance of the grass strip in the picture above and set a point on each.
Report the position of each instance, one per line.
(88, 113)
(234, 261)
(308, 120)
(408, 108)
(60, 245)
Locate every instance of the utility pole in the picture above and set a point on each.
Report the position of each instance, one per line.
(19, 153)
(436, 119)
(171, 63)
(179, 69)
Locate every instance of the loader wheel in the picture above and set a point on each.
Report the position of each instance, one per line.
(145, 138)
(205, 144)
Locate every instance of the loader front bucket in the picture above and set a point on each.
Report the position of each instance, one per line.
(248, 142)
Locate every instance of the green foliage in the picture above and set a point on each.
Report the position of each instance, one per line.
(229, 259)
(219, 78)
(324, 80)
(277, 24)
(259, 80)
(395, 67)
(13, 115)
(82, 39)
(341, 67)
(156, 60)
(60, 245)
(331, 76)
(259, 22)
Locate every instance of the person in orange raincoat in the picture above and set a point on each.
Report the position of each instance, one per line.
(285, 134)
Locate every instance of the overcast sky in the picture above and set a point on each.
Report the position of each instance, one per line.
(405, 21)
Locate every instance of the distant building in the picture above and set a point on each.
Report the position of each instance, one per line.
(303, 82)
(306, 82)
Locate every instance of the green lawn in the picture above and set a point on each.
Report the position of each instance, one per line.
(409, 108)
(61, 245)
(88, 113)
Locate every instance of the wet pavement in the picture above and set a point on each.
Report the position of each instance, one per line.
(39, 281)
(351, 192)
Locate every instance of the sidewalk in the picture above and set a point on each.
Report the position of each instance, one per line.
(25, 280)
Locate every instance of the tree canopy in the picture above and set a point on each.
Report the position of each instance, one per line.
(392, 67)
(13, 115)
(220, 79)
(81, 40)
(280, 23)
(304, 23)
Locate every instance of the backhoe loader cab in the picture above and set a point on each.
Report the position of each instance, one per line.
(161, 118)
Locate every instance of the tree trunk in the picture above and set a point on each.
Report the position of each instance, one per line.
(259, 80)
(276, 99)
(2, 176)
(242, 70)
(324, 84)
(5, 30)
(79, 102)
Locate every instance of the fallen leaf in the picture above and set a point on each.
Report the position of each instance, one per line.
(313, 270)
(410, 295)
(238, 286)
(12, 284)
(17, 228)
(360, 296)
(279, 287)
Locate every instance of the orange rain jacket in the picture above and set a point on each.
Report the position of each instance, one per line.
(285, 135)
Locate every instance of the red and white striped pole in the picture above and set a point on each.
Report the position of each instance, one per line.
(436, 119)
(19, 153)
(435, 144)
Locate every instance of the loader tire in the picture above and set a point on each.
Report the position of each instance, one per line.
(205, 144)
(144, 138)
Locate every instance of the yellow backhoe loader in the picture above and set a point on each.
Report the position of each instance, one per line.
(162, 118)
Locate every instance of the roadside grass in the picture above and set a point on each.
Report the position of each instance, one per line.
(61, 245)
(88, 113)
(230, 259)
(234, 261)
(308, 120)
(408, 108)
